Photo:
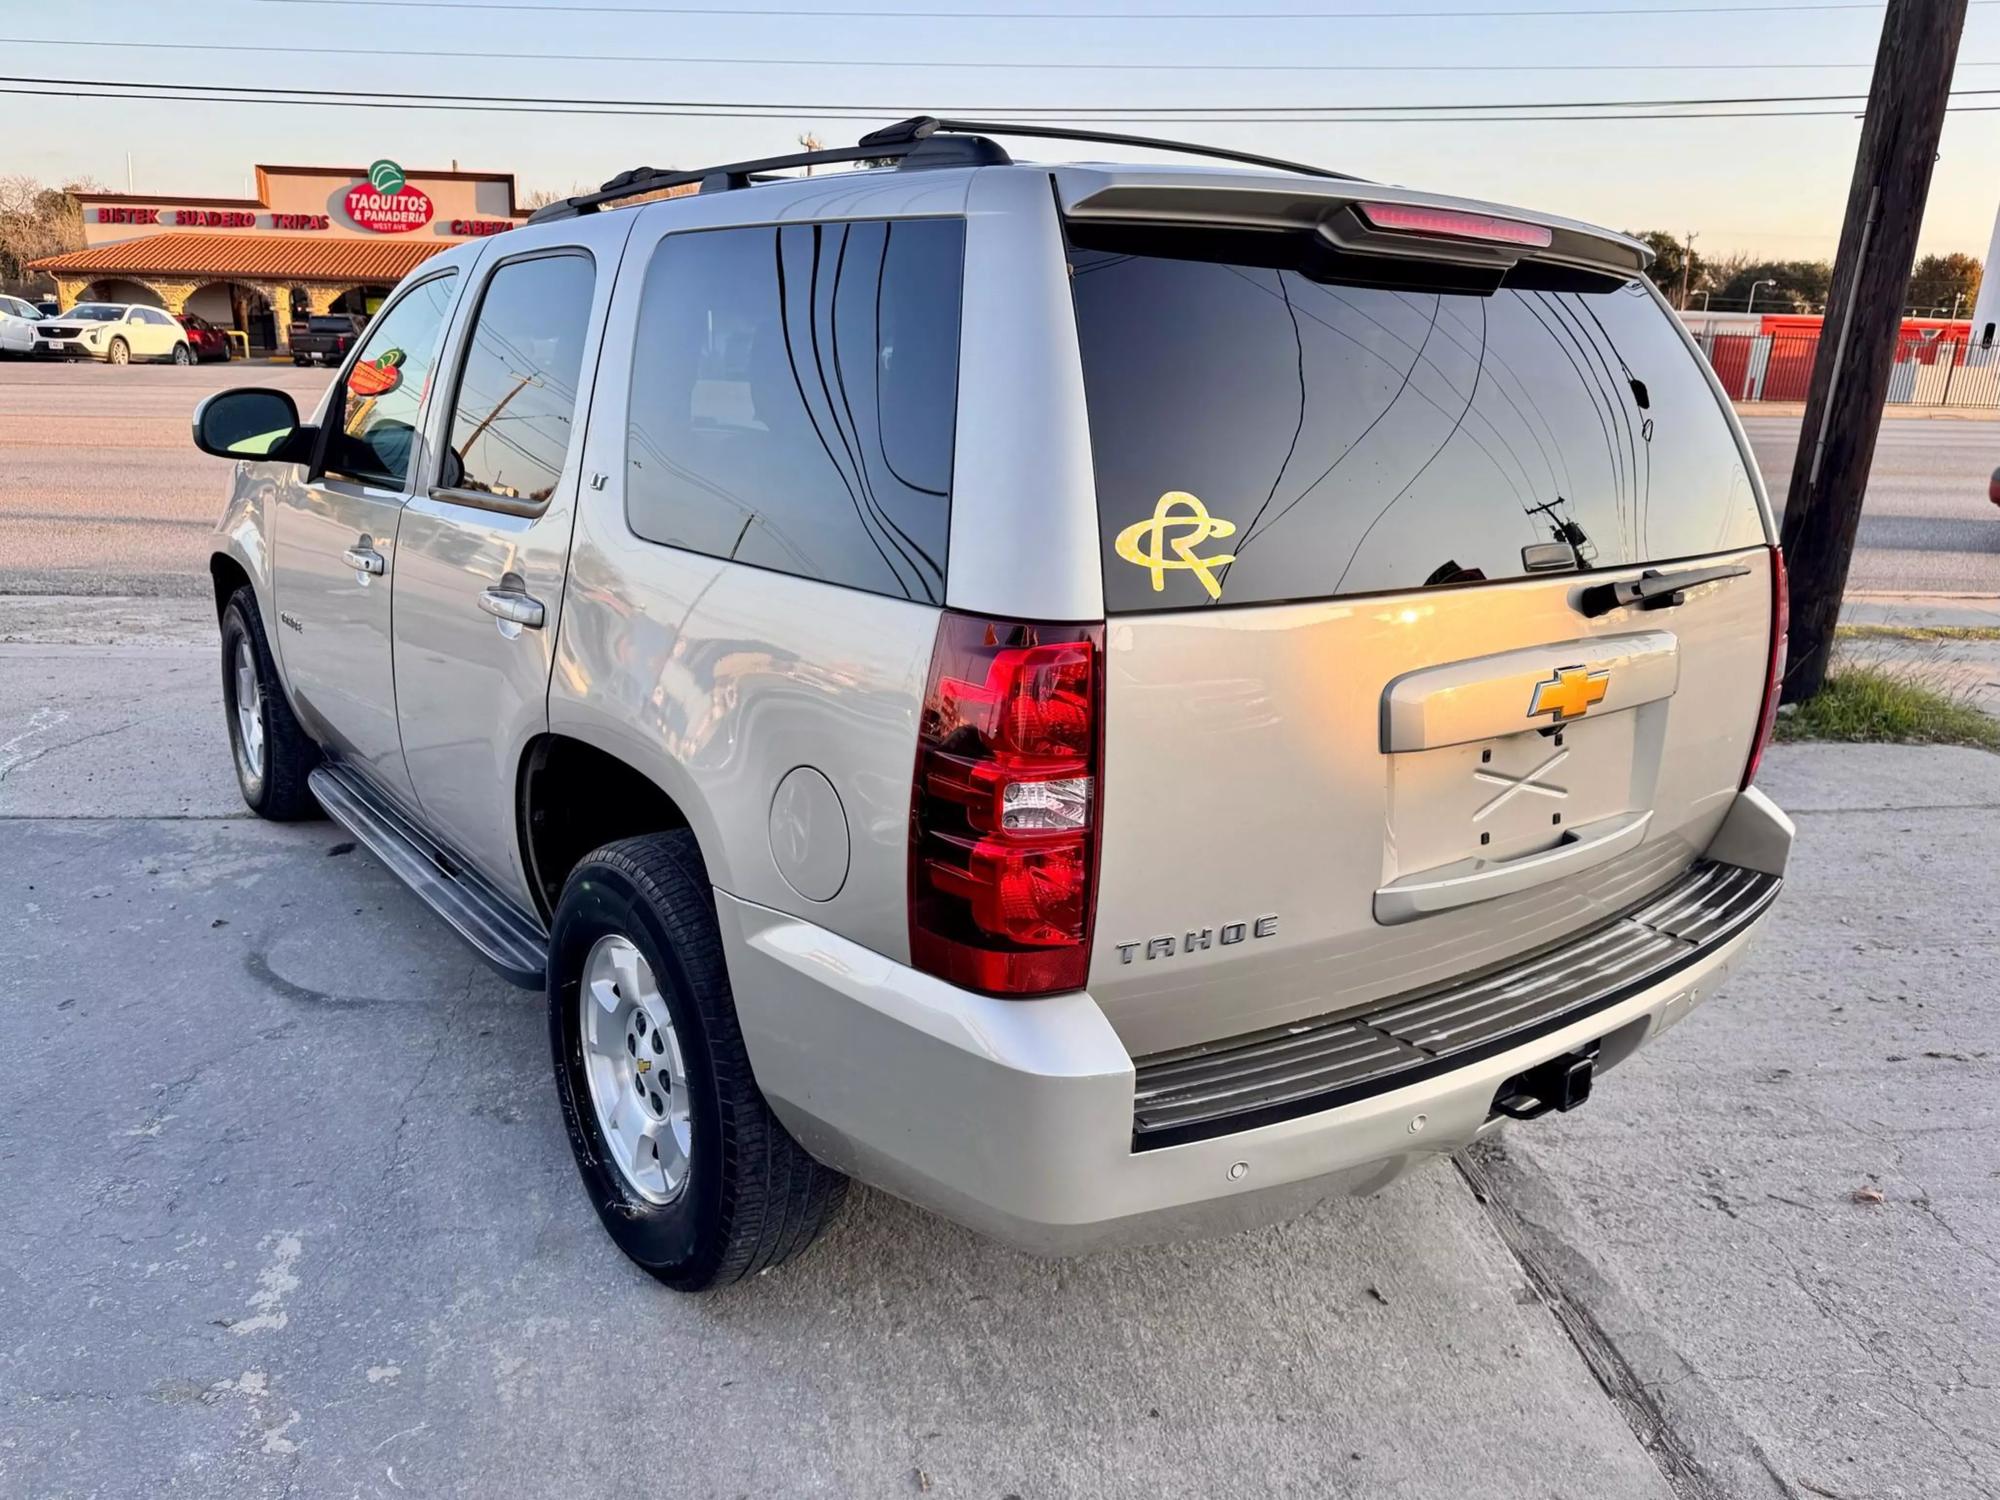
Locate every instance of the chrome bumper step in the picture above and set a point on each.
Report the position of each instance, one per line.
(1273, 1075)
(499, 931)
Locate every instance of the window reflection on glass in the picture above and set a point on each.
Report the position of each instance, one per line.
(794, 398)
(516, 406)
(386, 385)
(1362, 439)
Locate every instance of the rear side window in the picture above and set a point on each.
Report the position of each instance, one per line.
(515, 410)
(1260, 436)
(794, 393)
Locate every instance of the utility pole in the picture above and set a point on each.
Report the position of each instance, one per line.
(1850, 380)
(1687, 265)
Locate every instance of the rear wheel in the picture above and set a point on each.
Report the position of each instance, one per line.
(183, 355)
(683, 1160)
(273, 755)
(120, 352)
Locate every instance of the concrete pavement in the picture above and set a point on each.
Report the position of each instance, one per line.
(289, 1208)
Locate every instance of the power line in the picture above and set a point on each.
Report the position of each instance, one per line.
(866, 113)
(1037, 66)
(1220, 113)
(1106, 15)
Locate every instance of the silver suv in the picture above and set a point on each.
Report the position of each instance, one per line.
(1099, 699)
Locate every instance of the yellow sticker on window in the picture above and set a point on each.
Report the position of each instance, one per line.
(1145, 542)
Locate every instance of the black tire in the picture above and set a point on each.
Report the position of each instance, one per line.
(753, 1198)
(183, 355)
(278, 790)
(302, 359)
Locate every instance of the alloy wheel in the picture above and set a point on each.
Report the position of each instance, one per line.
(637, 1075)
(249, 711)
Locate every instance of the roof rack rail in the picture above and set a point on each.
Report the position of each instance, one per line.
(924, 126)
(921, 141)
(910, 149)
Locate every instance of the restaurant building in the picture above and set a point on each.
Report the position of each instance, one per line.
(313, 240)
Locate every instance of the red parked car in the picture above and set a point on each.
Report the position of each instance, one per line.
(207, 341)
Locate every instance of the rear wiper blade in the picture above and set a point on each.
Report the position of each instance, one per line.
(1652, 589)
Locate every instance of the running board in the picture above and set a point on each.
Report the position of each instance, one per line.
(499, 931)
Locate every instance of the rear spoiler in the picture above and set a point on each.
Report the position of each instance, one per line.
(1470, 232)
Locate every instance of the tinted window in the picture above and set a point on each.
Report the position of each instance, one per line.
(1336, 439)
(516, 406)
(793, 399)
(147, 315)
(385, 386)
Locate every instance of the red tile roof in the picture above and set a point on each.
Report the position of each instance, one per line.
(250, 257)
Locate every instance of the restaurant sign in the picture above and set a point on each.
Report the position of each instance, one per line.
(387, 203)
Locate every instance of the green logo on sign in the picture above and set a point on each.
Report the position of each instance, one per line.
(386, 177)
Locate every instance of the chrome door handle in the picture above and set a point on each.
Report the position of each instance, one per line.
(514, 607)
(364, 560)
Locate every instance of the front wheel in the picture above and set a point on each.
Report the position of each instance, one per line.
(273, 755)
(120, 352)
(682, 1158)
(183, 355)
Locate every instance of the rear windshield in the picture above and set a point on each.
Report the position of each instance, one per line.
(332, 325)
(1262, 436)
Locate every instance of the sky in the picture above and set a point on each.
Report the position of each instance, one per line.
(1770, 187)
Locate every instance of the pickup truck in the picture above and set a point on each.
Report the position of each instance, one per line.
(323, 338)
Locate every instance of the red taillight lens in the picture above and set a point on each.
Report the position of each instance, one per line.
(1004, 816)
(1446, 223)
(1774, 672)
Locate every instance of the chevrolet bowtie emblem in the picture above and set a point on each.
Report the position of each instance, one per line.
(645, 1065)
(1145, 542)
(1569, 694)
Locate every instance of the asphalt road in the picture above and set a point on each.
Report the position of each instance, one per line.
(286, 1207)
(102, 493)
(1926, 525)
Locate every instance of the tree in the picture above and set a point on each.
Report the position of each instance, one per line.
(1670, 260)
(38, 220)
(1798, 286)
(1948, 283)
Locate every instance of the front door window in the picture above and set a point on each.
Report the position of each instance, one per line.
(383, 391)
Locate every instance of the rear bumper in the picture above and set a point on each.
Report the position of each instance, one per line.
(1018, 1118)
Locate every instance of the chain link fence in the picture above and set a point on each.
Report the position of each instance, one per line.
(1929, 371)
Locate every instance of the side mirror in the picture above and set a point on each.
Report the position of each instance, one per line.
(252, 423)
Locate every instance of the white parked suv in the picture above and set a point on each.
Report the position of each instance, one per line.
(18, 318)
(115, 332)
(1101, 699)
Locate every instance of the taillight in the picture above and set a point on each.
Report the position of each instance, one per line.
(1004, 815)
(1455, 224)
(1774, 671)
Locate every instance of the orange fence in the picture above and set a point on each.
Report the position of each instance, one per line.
(1928, 372)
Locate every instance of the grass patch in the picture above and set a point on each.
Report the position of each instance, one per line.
(1918, 632)
(1877, 706)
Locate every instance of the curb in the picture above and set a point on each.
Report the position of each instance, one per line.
(1683, 1424)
